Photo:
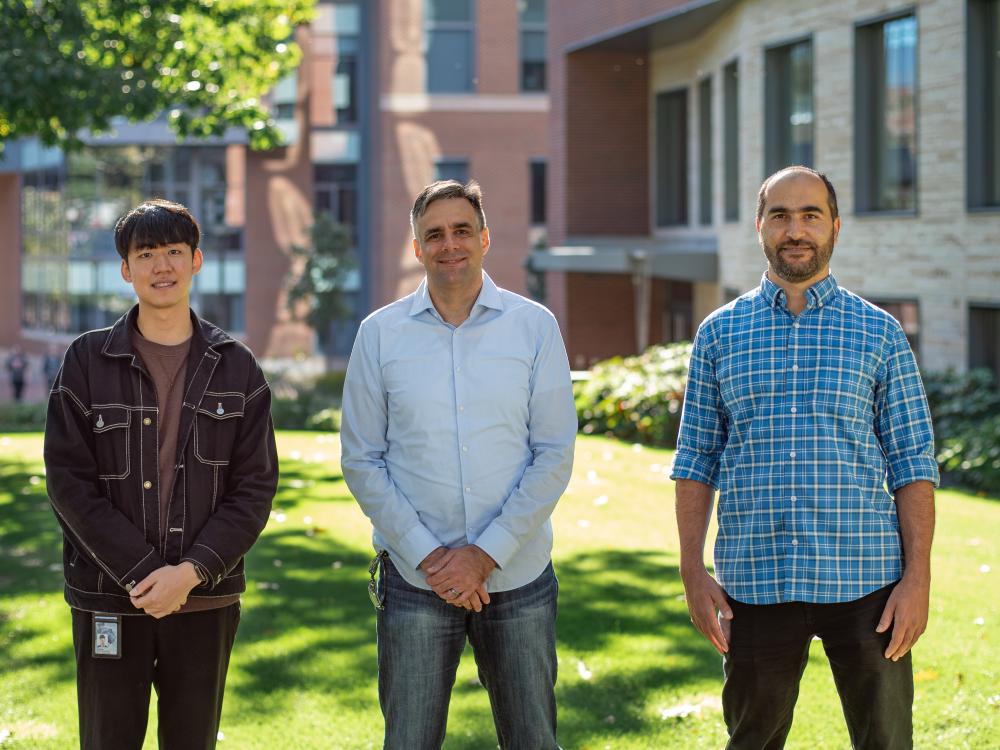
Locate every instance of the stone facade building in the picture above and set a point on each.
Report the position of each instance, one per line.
(667, 116)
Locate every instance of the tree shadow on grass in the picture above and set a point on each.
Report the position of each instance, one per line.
(30, 549)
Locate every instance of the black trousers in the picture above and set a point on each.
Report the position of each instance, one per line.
(185, 657)
(768, 650)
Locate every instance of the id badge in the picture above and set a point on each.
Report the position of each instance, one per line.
(107, 632)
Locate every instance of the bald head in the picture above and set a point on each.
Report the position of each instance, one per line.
(831, 194)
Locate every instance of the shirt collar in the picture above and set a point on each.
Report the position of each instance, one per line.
(819, 294)
(489, 296)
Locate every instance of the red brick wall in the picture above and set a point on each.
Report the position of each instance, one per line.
(499, 147)
(601, 308)
(498, 144)
(607, 144)
(572, 22)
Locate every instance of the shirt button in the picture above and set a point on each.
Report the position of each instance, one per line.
(795, 367)
(468, 489)
(461, 408)
(465, 448)
(147, 485)
(794, 410)
(795, 325)
(147, 421)
(793, 498)
(795, 542)
(791, 454)
(458, 369)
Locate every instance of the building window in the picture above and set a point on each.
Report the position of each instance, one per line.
(452, 169)
(984, 338)
(335, 188)
(731, 139)
(788, 113)
(533, 55)
(538, 192)
(885, 115)
(450, 31)
(983, 101)
(705, 151)
(671, 159)
(70, 269)
(678, 311)
(347, 28)
(907, 312)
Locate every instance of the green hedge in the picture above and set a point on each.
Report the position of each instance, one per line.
(311, 406)
(22, 417)
(639, 399)
(966, 412)
(636, 398)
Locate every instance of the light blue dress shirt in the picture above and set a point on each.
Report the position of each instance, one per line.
(460, 435)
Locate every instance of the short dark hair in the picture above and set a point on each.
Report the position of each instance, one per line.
(155, 223)
(443, 189)
(831, 194)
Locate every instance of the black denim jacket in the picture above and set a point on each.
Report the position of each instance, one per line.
(102, 466)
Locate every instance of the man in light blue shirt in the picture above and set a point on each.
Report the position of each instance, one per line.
(458, 432)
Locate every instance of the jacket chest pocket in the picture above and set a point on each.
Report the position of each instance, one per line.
(216, 425)
(111, 425)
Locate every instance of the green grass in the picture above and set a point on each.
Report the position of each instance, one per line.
(303, 672)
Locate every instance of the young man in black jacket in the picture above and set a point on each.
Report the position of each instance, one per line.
(161, 468)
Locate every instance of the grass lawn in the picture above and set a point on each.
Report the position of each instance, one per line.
(633, 672)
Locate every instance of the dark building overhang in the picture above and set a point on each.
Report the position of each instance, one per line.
(682, 259)
(678, 24)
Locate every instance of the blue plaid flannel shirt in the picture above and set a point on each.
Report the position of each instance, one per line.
(801, 422)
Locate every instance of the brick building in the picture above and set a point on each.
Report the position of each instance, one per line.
(390, 95)
(667, 115)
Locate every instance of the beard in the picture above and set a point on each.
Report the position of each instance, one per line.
(798, 270)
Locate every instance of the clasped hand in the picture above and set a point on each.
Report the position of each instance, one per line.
(164, 590)
(459, 575)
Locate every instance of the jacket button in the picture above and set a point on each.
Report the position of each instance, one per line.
(147, 485)
(147, 421)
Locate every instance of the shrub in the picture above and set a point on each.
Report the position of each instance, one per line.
(310, 406)
(636, 398)
(965, 408)
(15, 417)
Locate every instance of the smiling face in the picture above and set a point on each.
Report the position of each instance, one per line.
(796, 231)
(161, 276)
(451, 246)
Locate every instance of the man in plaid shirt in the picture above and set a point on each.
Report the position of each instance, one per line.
(803, 405)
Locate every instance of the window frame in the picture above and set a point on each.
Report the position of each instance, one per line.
(730, 74)
(683, 207)
(706, 183)
(980, 170)
(864, 133)
(469, 27)
(778, 142)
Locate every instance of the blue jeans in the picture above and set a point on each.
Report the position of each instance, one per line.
(420, 642)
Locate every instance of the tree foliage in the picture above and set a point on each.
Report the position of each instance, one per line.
(327, 264)
(67, 65)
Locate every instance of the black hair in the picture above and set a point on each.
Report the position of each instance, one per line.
(155, 223)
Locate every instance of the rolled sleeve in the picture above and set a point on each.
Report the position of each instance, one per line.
(703, 432)
(903, 423)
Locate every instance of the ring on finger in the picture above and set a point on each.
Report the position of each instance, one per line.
(454, 592)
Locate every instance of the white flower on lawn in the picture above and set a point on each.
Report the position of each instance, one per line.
(592, 476)
(581, 669)
(984, 568)
(979, 621)
(601, 500)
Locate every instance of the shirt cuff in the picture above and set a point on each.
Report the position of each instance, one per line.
(416, 545)
(700, 468)
(923, 468)
(497, 542)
